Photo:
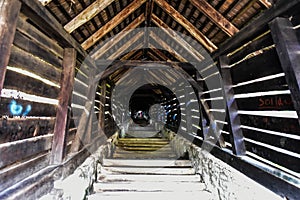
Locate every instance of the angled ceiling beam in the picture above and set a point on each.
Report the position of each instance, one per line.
(167, 47)
(148, 14)
(45, 2)
(215, 16)
(87, 14)
(138, 55)
(112, 23)
(266, 3)
(113, 41)
(177, 38)
(126, 46)
(131, 53)
(152, 56)
(211, 47)
(159, 53)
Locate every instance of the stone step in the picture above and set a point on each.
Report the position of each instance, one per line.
(146, 163)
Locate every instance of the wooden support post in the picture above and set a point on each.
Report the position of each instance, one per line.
(288, 48)
(9, 12)
(66, 87)
(102, 106)
(238, 145)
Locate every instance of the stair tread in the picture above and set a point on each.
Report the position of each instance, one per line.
(145, 162)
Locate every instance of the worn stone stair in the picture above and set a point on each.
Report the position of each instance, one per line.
(147, 168)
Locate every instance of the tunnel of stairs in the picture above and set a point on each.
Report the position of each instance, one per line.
(147, 168)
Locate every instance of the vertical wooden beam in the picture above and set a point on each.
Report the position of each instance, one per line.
(238, 145)
(148, 14)
(102, 105)
(66, 87)
(288, 48)
(9, 12)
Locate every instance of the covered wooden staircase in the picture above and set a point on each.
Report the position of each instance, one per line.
(147, 168)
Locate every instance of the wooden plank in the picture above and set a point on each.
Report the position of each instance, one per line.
(148, 178)
(67, 82)
(28, 45)
(16, 173)
(233, 119)
(282, 159)
(17, 151)
(187, 25)
(87, 14)
(113, 41)
(112, 23)
(283, 125)
(126, 47)
(9, 11)
(287, 47)
(146, 163)
(224, 24)
(269, 102)
(256, 67)
(29, 85)
(13, 129)
(26, 61)
(177, 38)
(101, 115)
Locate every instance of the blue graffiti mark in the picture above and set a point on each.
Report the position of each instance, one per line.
(28, 109)
(17, 109)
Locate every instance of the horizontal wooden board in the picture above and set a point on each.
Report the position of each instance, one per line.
(26, 61)
(37, 109)
(12, 175)
(263, 86)
(18, 151)
(146, 163)
(33, 48)
(37, 36)
(256, 45)
(270, 102)
(279, 158)
(284, 125)
(12, 129)
(287, 143)
(29, 85)
(256, 67)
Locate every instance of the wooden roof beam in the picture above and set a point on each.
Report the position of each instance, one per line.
(177, 38)
(159, 53)
(126, 46)
(87, 14)
(45, 2)
(211, 47)
(266, 3)
(131, 53)
(112, 23)
(215, 16)
(113, 41)
(167, 47)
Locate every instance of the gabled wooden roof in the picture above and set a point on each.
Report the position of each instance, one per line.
(206, 22)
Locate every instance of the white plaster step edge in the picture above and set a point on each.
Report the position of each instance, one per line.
(152, 195)
(148, 170)
(149, 187)
(148, 178)
(146, 163)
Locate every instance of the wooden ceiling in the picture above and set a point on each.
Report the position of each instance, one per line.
(205, 22)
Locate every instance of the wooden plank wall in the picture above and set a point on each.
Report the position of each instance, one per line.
(29, 103)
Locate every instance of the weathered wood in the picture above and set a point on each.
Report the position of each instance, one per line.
(126, 46)
(87, 14)
(29, 85)
(187, 25)
(67, 82)
(215, 16)
(113, 41)
(9, 11)
(17, 151)
(11, 175)
(231, 109)
(101, 115)
(24, 60)
(287, 47)
(177, 38)
(112, 23)
(131, 53)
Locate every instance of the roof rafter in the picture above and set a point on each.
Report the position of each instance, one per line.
(165, 46)
(131, 53)
(187, 25)
(177, 38)
(215, 16)
(87, 14)
(126, 45)
(112, 23)
(159, 53)
(113, 41)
